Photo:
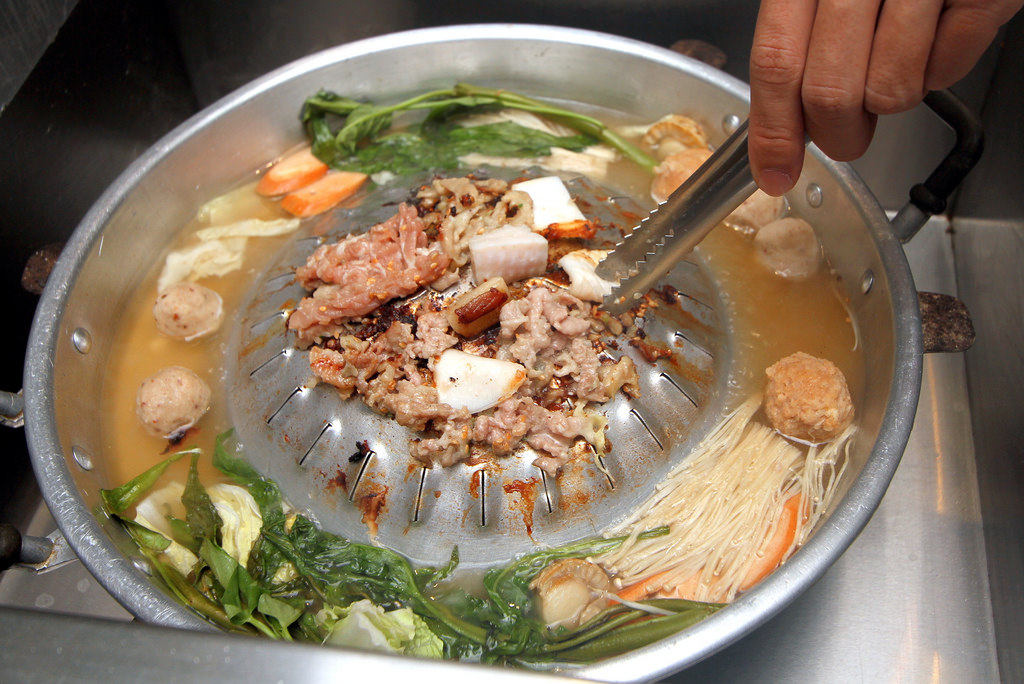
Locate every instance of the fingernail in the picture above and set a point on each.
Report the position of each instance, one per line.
(775, 182)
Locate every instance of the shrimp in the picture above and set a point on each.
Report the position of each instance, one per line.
(672, 172)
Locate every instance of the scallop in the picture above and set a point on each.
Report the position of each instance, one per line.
(571, 591)
(475, 383)
(673, 133)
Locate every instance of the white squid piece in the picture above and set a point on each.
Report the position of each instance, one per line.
(510, 253)
(475, 383)
(584, 283)
(552, 202)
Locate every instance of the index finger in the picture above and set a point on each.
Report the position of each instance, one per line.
(777, 58)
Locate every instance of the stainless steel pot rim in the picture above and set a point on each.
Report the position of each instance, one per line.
(134, 589)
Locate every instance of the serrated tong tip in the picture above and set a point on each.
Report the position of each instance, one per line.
(675, 227)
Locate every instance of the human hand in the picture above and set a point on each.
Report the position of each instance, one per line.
(828, 68)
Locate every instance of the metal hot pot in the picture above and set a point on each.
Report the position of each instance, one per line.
(135, 221)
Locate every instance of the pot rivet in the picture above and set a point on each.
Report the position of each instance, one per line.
(142, 565)
(81, 457)
(867, 281)
(730, 123)
(814, 195)
(82, 340)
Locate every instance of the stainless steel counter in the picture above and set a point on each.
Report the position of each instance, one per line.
(908, 602)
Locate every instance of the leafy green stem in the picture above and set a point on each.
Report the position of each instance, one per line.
(189, 595)
(585, 634)
(358, 144)
(119, 499)
(627, 635)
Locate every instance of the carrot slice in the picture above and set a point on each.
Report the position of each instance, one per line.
(686, 589)
(785, 532)
(323, 194)
(643, 588)
(295, 171)
(653, 586)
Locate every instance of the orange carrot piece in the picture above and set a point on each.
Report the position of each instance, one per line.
(651, 587)
(684, 590)
(325, 193)
(295, 171)
(643, 588)
(785, 532)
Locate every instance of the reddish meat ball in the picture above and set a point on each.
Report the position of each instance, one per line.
(807, 398)
(187, 311)
(171, 401)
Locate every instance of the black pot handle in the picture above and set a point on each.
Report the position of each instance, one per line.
(37, 553)
(10, 546)
(930, 197)
(12, 409)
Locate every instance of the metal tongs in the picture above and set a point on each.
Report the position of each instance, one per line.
(675, 227)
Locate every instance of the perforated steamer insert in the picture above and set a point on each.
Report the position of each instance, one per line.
(305, 436)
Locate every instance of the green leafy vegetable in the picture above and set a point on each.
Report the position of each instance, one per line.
(242, 597)
(182, 533)
(622, 630)
(440, 147)
(120, 499)
(186, 592)
(146, 538)
(302, 582)
(356, 144)
(280, 611)
(200, 513)
(430, 577)
(238, 592)
(516, 635)
(340, 570)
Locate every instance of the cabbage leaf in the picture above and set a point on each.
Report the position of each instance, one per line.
(364, 624)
